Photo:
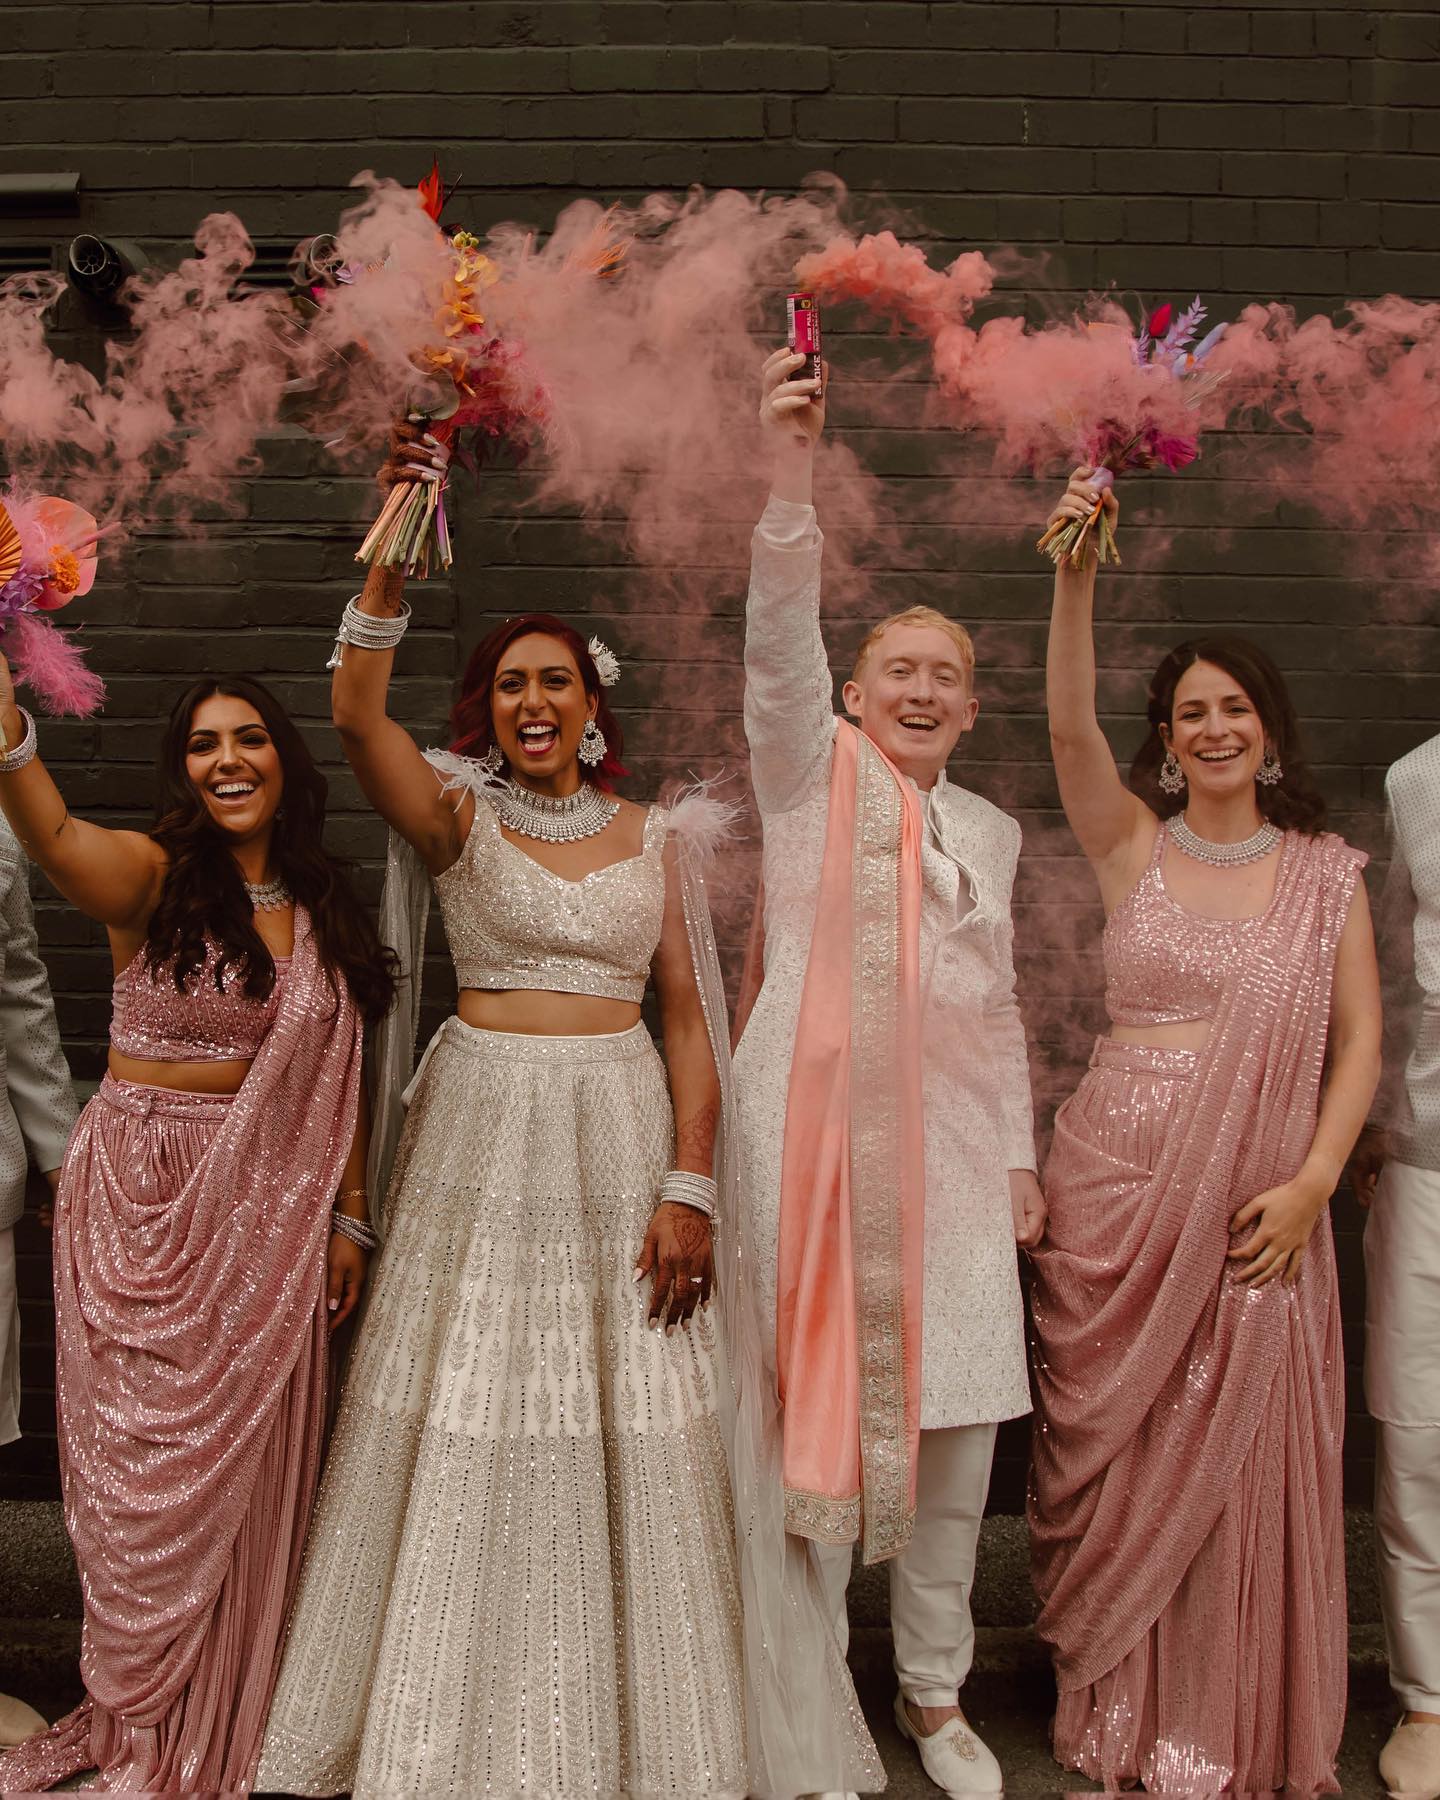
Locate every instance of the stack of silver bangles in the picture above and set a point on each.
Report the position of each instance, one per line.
(24, 751)
(367, 632)
(359, 1231)
(683, 1188)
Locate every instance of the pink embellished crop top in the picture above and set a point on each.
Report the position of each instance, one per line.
(153, 1022)
(513, 924)
(1166, 965)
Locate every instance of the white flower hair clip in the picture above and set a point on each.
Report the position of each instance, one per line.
(607, 663)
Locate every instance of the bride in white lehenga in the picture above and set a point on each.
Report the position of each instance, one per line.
(521, 1576)
(522, 1572)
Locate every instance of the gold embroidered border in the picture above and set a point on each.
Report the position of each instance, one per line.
(875, 1151)
(822, 1517)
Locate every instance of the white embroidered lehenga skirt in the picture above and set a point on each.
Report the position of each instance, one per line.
(520, 1577)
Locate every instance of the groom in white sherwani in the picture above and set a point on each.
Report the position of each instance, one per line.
(892, 1381)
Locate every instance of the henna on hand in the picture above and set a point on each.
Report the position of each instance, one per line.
(692, 1230)
(678, 1248)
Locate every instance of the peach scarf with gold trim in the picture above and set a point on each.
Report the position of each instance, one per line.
(852, 1191)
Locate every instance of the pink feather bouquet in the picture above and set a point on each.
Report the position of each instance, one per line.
(47, 559)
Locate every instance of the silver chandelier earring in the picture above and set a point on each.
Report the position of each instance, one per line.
(493, 761)
(592, 745)
(1172, 776)
(1269, 773)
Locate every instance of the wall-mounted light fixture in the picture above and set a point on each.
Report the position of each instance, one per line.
(97, 266)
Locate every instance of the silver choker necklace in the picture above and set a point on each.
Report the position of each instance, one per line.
(1225, 856)
(553, 819)
(269, 896)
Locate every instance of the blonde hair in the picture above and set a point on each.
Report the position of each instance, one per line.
(920, 615)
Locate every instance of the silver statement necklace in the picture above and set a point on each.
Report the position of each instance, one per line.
(1224, 856)
(269, 896)
(554, 819)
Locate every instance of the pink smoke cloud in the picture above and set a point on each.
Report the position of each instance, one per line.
(172, 424)
(1364, 393)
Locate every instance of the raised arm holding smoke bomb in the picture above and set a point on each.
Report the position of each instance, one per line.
(1188, 1184)
(914, 1111)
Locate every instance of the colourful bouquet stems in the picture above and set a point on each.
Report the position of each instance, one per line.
(411, 530)
(1068, 540)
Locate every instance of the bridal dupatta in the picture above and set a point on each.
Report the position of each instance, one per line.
(191, 1371)
(852, 1186)
(1172, 1394)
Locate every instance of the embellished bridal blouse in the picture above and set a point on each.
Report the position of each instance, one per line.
(978, 1120)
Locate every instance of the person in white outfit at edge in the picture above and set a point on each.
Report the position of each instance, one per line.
(1395, 1171)
(911, 695)
(37, 1114)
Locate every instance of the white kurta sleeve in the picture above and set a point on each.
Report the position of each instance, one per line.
(1006, 1034)
(789, 715)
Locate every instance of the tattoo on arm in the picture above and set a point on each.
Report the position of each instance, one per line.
(695, 1137)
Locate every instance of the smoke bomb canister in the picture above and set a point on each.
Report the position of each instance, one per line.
(802, 333)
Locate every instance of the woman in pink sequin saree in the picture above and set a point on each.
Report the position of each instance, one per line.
(1186, 1503)
(197, 1275)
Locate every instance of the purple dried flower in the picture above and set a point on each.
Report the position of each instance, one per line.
(19, 592)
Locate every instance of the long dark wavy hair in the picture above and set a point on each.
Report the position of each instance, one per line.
(1294, 803)
(472, 729)
(204, 894)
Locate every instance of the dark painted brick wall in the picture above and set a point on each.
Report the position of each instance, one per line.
(1238, 150)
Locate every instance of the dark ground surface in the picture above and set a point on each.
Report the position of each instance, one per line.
(1009, 1696)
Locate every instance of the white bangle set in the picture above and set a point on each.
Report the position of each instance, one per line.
(24, 751)
(367, 632)
(681, 1187)
(359, 1231)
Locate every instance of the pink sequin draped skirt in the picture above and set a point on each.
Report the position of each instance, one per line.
(138, 1147)
(1239, 1682)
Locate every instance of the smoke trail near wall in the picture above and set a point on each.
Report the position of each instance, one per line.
(642, 387)
(1362, 397)
(172, 424)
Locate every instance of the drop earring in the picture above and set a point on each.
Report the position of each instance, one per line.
(1269, 774)
(493, 761)
(592, 745)
(1172, 776)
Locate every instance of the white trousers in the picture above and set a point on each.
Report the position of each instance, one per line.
(930, 1581)
(1402, 1390)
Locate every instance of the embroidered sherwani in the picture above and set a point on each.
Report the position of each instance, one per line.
(978, 1122)
(1402, 1240)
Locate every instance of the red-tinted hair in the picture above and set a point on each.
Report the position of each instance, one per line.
(472, 731)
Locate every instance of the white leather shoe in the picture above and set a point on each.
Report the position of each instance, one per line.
(953, 1757)
(1410, 1763)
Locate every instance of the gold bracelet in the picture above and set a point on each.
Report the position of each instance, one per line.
(353, 1194)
